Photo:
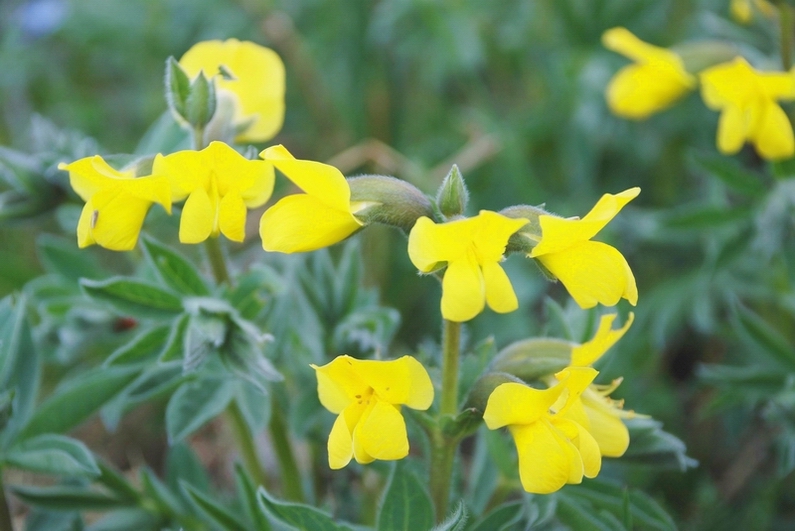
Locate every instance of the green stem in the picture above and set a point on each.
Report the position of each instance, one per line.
(5, 514)
(451, 345)
(291, 478)
(785, 25)
(217, 260)
(245, 443)
(198, 138)
(444, 448)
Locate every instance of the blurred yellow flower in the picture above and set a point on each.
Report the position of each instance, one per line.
(220, 184)
(742, 10)
(747, 100)
(656, 80)
(116, 202)
(318, 218)
(367, 396)
(604, 414)
(256, 87)
(472, 249)
(552, 440)
(593, 272)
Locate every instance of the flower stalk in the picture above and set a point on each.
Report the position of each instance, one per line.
(245, 443)
(785, 25)
(291, 478)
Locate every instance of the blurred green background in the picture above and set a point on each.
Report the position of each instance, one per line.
(513, 92)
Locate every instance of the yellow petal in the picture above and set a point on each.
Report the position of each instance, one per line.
(186, 171)
(605, 337)
(325, 183)
(499, 292)
(638, 91)
(89, 175)
(621, 40)
(338, 383)
(117, 219)
(489, 234)
(431, 243)
(773, 133)
(84, 237)
(558, 234)
(400, 381)
(547, 460)
(732, 130)
(359, 451)
(593, 272)
(340, 444)
(575, 380)
(605, 425)
(198, 218)
(258, 83)
(232, 217)
(463, 290)
(515, 404)
(586, 446)
(300, 223)
(382, 433)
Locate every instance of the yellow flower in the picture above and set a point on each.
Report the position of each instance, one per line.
(116, 202)
(472, 249)
(220, 184)
(318, 218)
(742, 10)
(552, 439)
(367, 396)
(656, 80)
(747, 100)
(604, 414)
(256, 88)
(593, 272)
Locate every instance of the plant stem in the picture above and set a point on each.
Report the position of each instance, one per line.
(245, 443)
(785, 25)
(198, 138)
(443, 448)
(5, 514)
(291, 478)
(451, 344)
(217, 260)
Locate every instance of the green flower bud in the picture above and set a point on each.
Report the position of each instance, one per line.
(698, 56)
(481, 390)
(388, 200)
(529, 235)
(177, 88)
(201, 102)
(452, 197)
(534, 358)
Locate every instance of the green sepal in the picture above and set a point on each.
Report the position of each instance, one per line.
(389, 201)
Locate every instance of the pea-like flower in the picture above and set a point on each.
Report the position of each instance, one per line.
(653, 83)
(220, 184)
(552, 440)
(748, 102)
(593, 272)
(254, 83)
(116, 202)
(472, 249)
(604, 414)
(322, 216)
(367, 395)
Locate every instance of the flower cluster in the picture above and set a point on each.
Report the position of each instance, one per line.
(747, 99)
(227, 92)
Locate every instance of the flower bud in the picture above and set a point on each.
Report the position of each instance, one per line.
(381, 199)
(177, 88)
(192, 102)
(534, 358)
(481, 390)
(452, 196)
(698, 56)
(530, 234)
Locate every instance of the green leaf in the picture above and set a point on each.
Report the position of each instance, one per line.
(406, 504)
(501, 518)
(129, 520)
(155, 381)
(117, 484)
(247, 493)
(702, 217)
(166, 501)
(194, 404)
(63, 257)
(177, 87)
(456, 521)
(77, 400)
(182, 464)
(650, 445)
(765, 336)
(177, 272)
(211, 509)
(68, 498)
(175, 343)
(297, 514)
(731, 172)
(141, 349)
(583, 516)
(53, 454)
(252, 289)
(134, 297)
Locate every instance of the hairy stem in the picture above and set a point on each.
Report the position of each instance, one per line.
(451, 344)
(245, 443)
(215, 254)
(291, 478)
(785, 25)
